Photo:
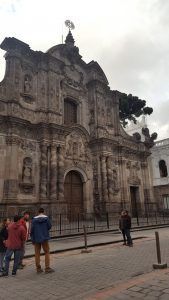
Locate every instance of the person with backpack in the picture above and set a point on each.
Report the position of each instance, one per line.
(40, 236)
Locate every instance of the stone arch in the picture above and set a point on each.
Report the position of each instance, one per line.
(79, 170)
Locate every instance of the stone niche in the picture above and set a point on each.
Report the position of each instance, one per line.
(26, 185)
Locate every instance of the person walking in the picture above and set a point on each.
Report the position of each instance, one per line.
(3, 238)
(40, 236)
(14, 244)
(125, 226)
(24, 221)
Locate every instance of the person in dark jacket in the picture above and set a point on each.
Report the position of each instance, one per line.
(3, 238)
(14, 244)
(40, 235)
(125, 226)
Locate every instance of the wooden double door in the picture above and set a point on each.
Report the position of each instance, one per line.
(73, 194)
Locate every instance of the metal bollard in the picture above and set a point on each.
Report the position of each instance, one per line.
(85, 250)
(85, 236)
(158, 248)
(159, 265)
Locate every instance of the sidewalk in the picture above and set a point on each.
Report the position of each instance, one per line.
(62, 244)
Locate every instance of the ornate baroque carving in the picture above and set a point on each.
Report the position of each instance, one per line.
(112, 178)
(75, 147)
(133, 175)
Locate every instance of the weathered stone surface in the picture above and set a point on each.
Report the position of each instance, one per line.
(59, 116)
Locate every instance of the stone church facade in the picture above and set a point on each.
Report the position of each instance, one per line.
(61, 142)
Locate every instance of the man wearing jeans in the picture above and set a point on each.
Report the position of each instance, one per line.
(40, 235)
(14, 244)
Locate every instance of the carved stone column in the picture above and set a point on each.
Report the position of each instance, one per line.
(110, 183)
(104, 181)
(53, 172)
(96, 195)
(43, 172)
(60, 174)
(11, 183)
(125, 197)
(147, 186)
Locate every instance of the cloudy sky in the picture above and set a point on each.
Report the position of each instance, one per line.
(128, 38)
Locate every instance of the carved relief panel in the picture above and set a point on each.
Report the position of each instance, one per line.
(133, 172)
(112, 177)
(73, 76)
(75, 148)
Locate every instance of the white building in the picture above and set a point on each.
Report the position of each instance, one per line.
(160, 172)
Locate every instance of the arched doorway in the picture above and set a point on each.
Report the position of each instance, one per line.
(73, 194)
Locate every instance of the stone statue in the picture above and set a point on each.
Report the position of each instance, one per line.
(27, 84)
(27, 170)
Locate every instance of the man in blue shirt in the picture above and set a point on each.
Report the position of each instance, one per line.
(40, 236)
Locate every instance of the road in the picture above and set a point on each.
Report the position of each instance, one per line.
(108, 272)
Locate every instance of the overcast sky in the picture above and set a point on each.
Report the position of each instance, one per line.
(128, 38)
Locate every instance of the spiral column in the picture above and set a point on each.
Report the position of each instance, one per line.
(43, 172)
(104, 181)
(60, 174)
(53, 172)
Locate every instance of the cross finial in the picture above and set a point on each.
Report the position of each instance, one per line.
(69, 39)
(69, 24)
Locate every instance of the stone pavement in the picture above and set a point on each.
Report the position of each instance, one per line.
(109, 272)
(154, 285)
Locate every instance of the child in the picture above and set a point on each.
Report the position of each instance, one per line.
(3, 238)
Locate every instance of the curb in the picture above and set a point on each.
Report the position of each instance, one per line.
(82, 247)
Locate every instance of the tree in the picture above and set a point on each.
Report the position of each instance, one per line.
(131, 107)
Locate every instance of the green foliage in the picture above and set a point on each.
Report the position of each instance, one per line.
(131, 107)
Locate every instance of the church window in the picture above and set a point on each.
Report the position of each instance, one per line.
(163, 168)
(70, 112)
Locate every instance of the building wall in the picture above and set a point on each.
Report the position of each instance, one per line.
(38, 150)
(160, 151)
